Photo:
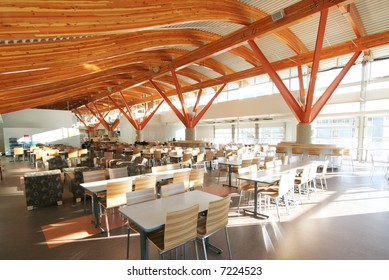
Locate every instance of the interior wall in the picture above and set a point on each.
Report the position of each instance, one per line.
(33, 121)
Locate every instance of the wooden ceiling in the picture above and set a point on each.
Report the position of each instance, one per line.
(64, 55)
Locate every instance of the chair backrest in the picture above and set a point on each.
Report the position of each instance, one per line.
(140, 196)
(305, 174)
(325, 167)
(172, 189)
(180, 227)
(118, 172)
(286, 182)
(157, 154)
(182, 177)
(73, 154)
(209, 156)
(82, 152)
(187, 158)
(217, 216)
(313, 171)
(18, 151)
(94, 175)
(269, 164)
(116, 193)
(200, 157)
(145, 182)
(196, 177)
(253, 169)
(246, 162)
(257, 161)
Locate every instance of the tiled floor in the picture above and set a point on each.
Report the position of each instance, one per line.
(349, 221)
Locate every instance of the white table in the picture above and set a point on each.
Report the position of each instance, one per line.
(151, 215)
(271, 176)
(230, 164)
(98, 187)
(166, 174)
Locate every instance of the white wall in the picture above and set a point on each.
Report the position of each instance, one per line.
(34, 121)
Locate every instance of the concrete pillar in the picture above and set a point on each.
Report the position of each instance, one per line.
(139, 136)
(190, 133)
(304, 133)
(233, 134)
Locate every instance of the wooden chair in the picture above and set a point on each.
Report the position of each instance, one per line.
(157, 157)
(215, 220)
(118, 172)
(209, 158)
(115, 197)
(172, 189)
(136, 197)
(180, 228)
(196, 178)
(18, 151)
(145, 182)
(200, 161)
(186, 160)
(182, 177)
(222, 168)
(244, 186)
(92, 176)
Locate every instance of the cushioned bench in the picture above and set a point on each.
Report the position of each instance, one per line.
(43, 188)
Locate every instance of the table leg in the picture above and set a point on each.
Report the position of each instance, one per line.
(144, 254)
(255, 212)
(212, 247)
(229, 177)
(95, 208)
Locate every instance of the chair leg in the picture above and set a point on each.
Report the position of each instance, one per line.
(106, 221)
(84, 203)
(228, 243)
(205, 249)
(196, 250)
(128, 243)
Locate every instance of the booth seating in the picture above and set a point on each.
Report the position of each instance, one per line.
(43, 188)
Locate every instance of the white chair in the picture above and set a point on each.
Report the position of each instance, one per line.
(321, 175)
(283, 190)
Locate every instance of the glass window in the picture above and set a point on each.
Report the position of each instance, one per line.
(341, 131)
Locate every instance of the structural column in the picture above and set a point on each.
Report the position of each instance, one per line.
(361, 153)
(139, 135)
(190, 133)
(304, 133)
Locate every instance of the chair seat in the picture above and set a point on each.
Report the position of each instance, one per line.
(157, 237)
(201, 223)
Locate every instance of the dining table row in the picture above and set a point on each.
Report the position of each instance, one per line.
(146, 199)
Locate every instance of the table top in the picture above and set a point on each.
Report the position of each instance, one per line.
(273, 174)
(166, 174)
(231, 162)
(151, 215)
(100, 186)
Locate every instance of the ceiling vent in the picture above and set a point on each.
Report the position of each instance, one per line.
(278, 15)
